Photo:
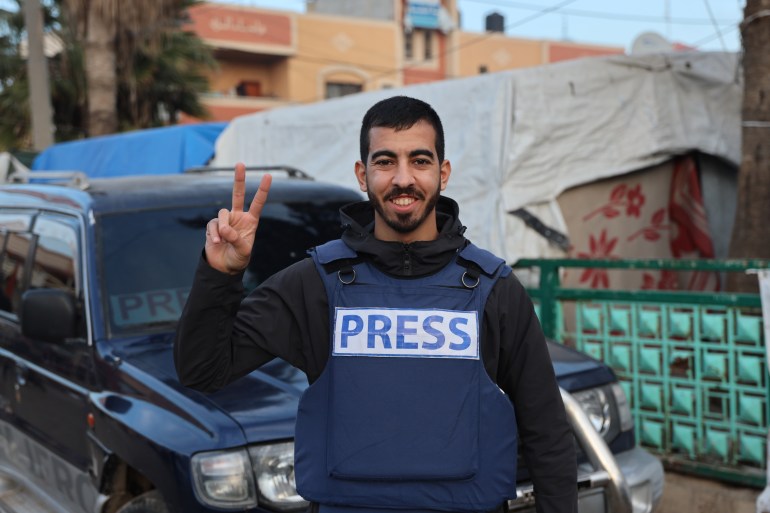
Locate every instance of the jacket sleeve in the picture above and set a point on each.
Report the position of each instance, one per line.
(221, 336)
(526, 374)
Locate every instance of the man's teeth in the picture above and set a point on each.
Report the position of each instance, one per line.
(402, 202)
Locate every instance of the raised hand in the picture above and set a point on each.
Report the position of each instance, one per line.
(230, 237)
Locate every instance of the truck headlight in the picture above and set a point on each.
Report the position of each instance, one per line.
(624, 409)
(607, 408)
(224, 479)
(274, 472)
(596, 406)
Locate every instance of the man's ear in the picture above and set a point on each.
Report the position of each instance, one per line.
(361, 175)
(445, 171)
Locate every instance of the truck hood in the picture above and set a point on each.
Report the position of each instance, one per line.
(577, 371)
(263, 404)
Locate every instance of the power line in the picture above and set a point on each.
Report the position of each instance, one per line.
(606, 15)
(719, 32)
(714, 36)
(538, 14)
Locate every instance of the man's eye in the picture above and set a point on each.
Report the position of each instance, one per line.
(422, 162)
(383, 162)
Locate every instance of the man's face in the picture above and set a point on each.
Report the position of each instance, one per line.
(403, 179)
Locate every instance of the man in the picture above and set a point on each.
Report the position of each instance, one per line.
(407, 333)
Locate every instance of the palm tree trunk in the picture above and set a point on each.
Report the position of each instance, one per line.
(101, 76)
(751, 231)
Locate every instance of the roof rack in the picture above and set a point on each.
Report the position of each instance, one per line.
(69, 178)
(291, 172)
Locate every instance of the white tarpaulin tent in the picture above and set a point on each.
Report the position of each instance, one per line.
(10, 165)
(520, 138)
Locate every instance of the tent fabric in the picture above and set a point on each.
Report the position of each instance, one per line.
(9, 165)
(154, 151)
(520, 138)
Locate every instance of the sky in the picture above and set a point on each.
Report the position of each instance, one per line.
(703, 24)
(709, 25)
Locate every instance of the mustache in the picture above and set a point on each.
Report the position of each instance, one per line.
(404, 191)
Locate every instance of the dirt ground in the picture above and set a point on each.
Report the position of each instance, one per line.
(688, 494)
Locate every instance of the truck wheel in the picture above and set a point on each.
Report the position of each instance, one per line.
(150, 502)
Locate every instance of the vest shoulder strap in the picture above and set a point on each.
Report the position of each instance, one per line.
(487, 262)
(332, 251)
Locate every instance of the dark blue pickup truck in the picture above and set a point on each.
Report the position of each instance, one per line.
(92, 416)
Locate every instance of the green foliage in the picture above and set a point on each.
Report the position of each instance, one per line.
(14, 120)
(165, 82)
(160, 81)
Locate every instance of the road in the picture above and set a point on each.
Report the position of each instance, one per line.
(14, 498)
(687, 494)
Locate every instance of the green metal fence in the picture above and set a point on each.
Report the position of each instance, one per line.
(692, 364)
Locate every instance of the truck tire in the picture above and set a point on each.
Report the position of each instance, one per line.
(150, 502)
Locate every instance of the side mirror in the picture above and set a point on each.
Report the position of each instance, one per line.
(49, 315)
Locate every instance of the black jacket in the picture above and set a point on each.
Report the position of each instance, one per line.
(220, 338)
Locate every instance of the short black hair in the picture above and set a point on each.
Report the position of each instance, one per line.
(400, 113)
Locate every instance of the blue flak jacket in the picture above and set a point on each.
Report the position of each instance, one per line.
(404, 416)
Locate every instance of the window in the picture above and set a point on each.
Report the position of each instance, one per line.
(16, 243)
(428, 45)
(409, 46)
(55, 262)
(249, 88)
(337, 89)
(149, 257)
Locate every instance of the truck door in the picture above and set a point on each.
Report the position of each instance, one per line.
(51, 381)
(16, 243)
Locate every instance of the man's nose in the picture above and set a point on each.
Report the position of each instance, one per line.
(404, 176)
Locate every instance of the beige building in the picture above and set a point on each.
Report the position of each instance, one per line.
(271, 58)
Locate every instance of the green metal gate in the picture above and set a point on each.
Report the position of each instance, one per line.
(693, 365)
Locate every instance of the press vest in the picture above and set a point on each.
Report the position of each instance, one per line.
(404, 415)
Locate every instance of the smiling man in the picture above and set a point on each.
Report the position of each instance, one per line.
(407, 332)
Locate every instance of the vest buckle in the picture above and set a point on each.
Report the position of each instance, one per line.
(466, 280)
(346, 275)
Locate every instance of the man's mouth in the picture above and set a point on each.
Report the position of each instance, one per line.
(403, 197)
(403, 201)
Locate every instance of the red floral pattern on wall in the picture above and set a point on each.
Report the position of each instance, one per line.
(622, 196)
(667, 280)
(652, 232)
(642, 216)
(600, 247)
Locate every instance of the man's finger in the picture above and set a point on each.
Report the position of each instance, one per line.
(226, 231)
(239, 187)
(260, 198)
(212, 231)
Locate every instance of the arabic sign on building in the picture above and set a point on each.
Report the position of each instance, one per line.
(241, 25)
(423, 13)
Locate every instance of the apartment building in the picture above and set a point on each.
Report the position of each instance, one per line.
(269, 58)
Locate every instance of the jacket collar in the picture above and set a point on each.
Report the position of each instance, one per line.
(414, 259)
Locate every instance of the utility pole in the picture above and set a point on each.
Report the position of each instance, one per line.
(37, 76)
(751, 230)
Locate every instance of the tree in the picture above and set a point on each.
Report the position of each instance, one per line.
(162, 84)
(751, 232)
(158, 72)
(15, 124)
(124, 42)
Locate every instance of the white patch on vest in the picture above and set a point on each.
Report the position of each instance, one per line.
(406, 332)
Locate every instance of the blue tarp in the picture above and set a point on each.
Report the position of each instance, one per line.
(155, 151)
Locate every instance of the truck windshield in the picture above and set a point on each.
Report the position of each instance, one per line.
(148, 258)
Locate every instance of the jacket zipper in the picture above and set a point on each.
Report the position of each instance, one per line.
(407, 261)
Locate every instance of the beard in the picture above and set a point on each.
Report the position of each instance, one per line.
(404, 223)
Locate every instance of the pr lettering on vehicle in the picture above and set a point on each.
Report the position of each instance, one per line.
(132, 309)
